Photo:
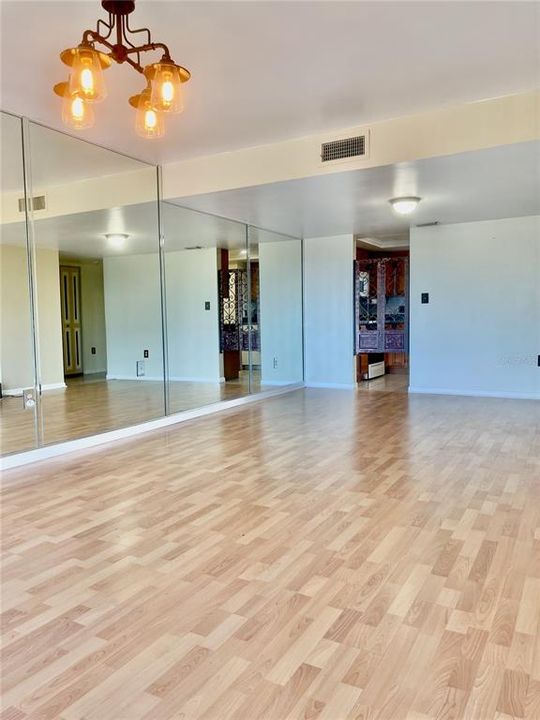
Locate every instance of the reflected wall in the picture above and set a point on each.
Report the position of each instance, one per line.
(17, 365)
(278, 298)
(118, 308)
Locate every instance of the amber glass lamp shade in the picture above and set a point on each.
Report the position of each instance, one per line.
(149, 122)
(86, 78)
(76, 112)
(166, 83)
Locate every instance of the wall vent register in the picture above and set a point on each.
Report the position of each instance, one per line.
(342, 149)
(35, 203)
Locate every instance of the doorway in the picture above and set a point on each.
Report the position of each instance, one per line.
(70, 293)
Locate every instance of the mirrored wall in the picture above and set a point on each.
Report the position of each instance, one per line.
(118, 307)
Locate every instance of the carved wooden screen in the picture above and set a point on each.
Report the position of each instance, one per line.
(381, 302)
(235, 311)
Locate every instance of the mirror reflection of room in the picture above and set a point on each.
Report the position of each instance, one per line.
(121, 330)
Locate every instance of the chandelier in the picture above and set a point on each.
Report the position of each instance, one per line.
(85, 86)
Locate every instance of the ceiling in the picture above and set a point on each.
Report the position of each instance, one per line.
(482, 185)
(83, 234)
(268, 71)
(55, 158)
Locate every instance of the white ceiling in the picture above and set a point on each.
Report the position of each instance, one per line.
(487, 184)
(267, 71)
(83, 234)
(483, 185)
(55, 158)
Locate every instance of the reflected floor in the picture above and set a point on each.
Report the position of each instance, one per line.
(93, 404)
(391, 382)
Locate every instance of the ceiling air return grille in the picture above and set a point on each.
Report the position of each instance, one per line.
(343, 149)
(36, 203)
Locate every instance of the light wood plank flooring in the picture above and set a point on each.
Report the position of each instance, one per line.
(323, 555)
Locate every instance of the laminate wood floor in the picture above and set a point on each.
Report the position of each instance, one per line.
(323, 555)
(89, 406)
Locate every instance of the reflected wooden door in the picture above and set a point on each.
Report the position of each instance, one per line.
(70, 288)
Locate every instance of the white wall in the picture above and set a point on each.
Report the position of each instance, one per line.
(93, 317)
(328, 311)
(480, 332)
(280, 287)
(193, 332)
(51, 357)
(16, 345)
(133, 315)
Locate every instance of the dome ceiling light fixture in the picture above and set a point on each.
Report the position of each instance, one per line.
(85, 86)
(404, 205)
(116, 240)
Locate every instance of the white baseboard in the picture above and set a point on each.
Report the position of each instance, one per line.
(172, 378)
(210, 381)
(279, 383)
(331, 386)
(17, 392)
(474, 393)
(30, 456)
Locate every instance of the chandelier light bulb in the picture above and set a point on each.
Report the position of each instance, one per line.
(76, 112)
(148, 122)
(166, 82)
(86, 78)
(404, 205)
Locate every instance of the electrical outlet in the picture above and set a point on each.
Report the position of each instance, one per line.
(140, 368)
(207, 305)
(425, 298)
(93, 350)
(275, 363)
(146, 354)
(29, 399)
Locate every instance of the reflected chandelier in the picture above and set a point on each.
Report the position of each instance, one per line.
(85, 86)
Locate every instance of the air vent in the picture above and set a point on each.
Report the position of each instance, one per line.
(194, 247)
(428, 224)
(37, 203)
(345, 148)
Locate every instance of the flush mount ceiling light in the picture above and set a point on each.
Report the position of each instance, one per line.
(404, 205)
(85, 86)
(116, 240)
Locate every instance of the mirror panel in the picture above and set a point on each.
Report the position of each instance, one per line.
(276, 316)
(98, 287)
(205, 275)
(17, 370)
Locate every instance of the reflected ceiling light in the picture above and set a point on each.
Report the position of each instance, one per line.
(404, 205)
(117, 240)
(85, 85)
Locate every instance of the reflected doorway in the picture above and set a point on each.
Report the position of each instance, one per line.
(70, 293)
(238, 285)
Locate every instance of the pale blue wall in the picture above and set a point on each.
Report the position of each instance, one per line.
(480, 332)
(328, 311)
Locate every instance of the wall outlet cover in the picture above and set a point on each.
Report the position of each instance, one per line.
(140, 368)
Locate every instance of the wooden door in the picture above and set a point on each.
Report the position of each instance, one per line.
(70, 291)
